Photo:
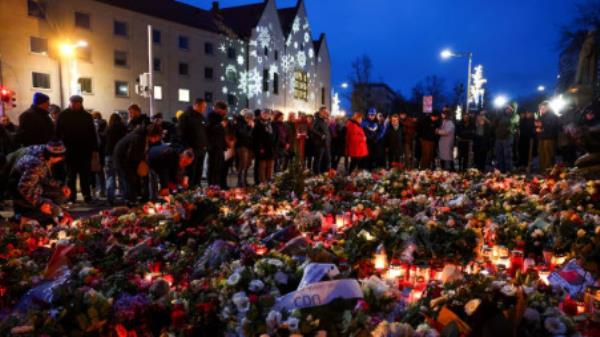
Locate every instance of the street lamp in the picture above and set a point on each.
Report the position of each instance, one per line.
(541, 88)
(67, 51)
(500, 101)
(558, 104)
(344, 85)
(448, 53)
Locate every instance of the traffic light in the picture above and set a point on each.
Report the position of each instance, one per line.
(8, 98)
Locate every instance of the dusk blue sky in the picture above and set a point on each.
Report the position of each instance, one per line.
(515, 40)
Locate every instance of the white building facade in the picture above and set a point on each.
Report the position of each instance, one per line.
(246, 56)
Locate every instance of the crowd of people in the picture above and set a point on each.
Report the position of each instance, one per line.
(143, 158)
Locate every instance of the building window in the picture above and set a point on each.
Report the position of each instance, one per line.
(323, 96)
(302, 46)
(231, 100)
(266, 80)
(231, 53)
(158, 95)
(85, 85)
(301, 86)
(276, 83)
(120, 28)
(266, 51)
(209, 48)
(184, 42)
(121, 89)
(208, 96)
(84, 54)
(156, 36)
(82, 20)
(120, 58)
(37, 8)
(40, 80)
(156, 64)
(38, 45)
(184, 95)
(184, 69)
(276, 55)
(208, 73)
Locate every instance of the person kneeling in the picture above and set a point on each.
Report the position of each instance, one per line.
(35, 194)
(169, 163)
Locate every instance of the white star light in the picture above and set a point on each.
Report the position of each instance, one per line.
(240, 60)
(222, 48)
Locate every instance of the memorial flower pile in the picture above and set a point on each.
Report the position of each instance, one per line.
(387, 253)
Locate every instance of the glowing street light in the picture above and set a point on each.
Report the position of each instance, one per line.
(446, 54)
(541, 88)
(344, 85)
(67, 49)
(500, 101)
(558, 104)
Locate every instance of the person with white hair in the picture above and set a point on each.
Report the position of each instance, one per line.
(243, 145)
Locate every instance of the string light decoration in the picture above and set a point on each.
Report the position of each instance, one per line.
(477, 91)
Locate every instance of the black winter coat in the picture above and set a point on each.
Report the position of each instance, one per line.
(35, 127)
(130, 151)
(191, 129)
(320, 133)
(76, 129)
(264, 139)
(114, 133)
(243, 134)
(216, 133)
(393, 140)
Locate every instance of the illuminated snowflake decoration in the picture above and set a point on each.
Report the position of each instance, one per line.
(259, 60)
(264, 37)
(230, 72)
(306, 37)
(296, 45)
(253, 53)
(222, 48)
(296, 25)
(273, 69)
(287, 63)
(240, 60)
(225, 90)
(311, 53)
(250, 82)
(302, 59)
(476, 91)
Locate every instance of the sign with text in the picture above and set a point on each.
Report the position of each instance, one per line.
(427, 104)
(320, 293)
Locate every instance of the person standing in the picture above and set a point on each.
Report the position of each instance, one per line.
(356, 142)
(427, 137)
(264, 141)
(374, 133)
(243, 145)
(526, 139)
(338, 142)
(282, 140)
(115, 131)
(393, 142)
(481, 141)
(446, 141)
(35, 125)
(547, 128)
(136, 118)
(465, 132)
(504, 128)
(409, 125)
(75, 127)
(216, 144)
(100, 178)
(321, 136)
(191, 128)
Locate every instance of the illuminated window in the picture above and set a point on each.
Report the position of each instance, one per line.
(85, 85)
(158, 94)
(301, 86)
(121, 89)
(184, 95)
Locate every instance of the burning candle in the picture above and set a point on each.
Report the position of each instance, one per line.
(326, 223)
(423, 274)
(503, 261)
(380, 260)
(544, 273)
(260, 249)
(339, 221)
(415, 295)
(394, 273)
(580, 308)
(558, 259)
(528, 264)
(517, 260)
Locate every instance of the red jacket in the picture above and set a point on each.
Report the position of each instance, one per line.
(356, 141)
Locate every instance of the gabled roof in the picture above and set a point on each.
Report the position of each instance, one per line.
(286, 17)
(318, 43)
(169, 10)
(243, 19)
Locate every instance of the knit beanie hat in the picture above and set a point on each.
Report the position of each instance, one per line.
(40, 98)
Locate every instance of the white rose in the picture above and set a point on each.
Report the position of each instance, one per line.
(233, 279)
(256, 286)
(273, 319)
(241, 301)
(293, 323)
